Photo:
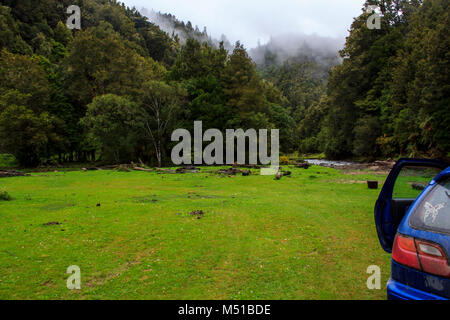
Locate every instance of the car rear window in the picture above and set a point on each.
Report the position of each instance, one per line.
(433, 212)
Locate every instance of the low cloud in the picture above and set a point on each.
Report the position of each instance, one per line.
(252, 20)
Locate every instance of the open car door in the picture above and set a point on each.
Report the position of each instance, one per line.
(403, 185)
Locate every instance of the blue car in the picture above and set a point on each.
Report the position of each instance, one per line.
(412, 217)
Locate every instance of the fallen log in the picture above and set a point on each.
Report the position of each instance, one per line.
(230, 171)
(123, 169)
(90, 169)
(13, 173)
(161, 170)
(142, 169)
(188, 169)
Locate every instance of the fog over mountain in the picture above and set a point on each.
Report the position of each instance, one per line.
(252, 20)
(183, 30)
(323, 50)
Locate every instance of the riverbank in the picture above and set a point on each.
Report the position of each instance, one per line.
(380, 167)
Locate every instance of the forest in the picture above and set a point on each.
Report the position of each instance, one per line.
(116, 89)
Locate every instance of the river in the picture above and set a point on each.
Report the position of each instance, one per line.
(329, 163)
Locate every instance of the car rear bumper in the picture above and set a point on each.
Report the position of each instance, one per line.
(399, 291)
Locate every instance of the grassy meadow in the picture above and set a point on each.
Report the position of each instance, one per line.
(311, 236)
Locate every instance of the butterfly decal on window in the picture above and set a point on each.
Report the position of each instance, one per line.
(432, 211)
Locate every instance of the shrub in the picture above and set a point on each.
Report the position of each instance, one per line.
(5, 196)
(284, 160)
(7, 160)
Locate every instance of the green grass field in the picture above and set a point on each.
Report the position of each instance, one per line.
(311, 236)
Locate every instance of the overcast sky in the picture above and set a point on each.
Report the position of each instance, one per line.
(253, 20)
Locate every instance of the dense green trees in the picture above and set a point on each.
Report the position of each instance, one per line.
(226, 91)
(116, 89)
(114, 126)
(50, 74)
(421, 82)
(27, 129)
(200, 69)
(10, 37)
(390, 95)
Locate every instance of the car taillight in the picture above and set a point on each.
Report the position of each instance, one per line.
(405, 252)
(421, 255)
(433, 259)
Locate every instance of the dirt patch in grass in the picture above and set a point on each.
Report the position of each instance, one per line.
(199, 214)
(53, 223)
(101, 279)
(56, 206)
(233, 172)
